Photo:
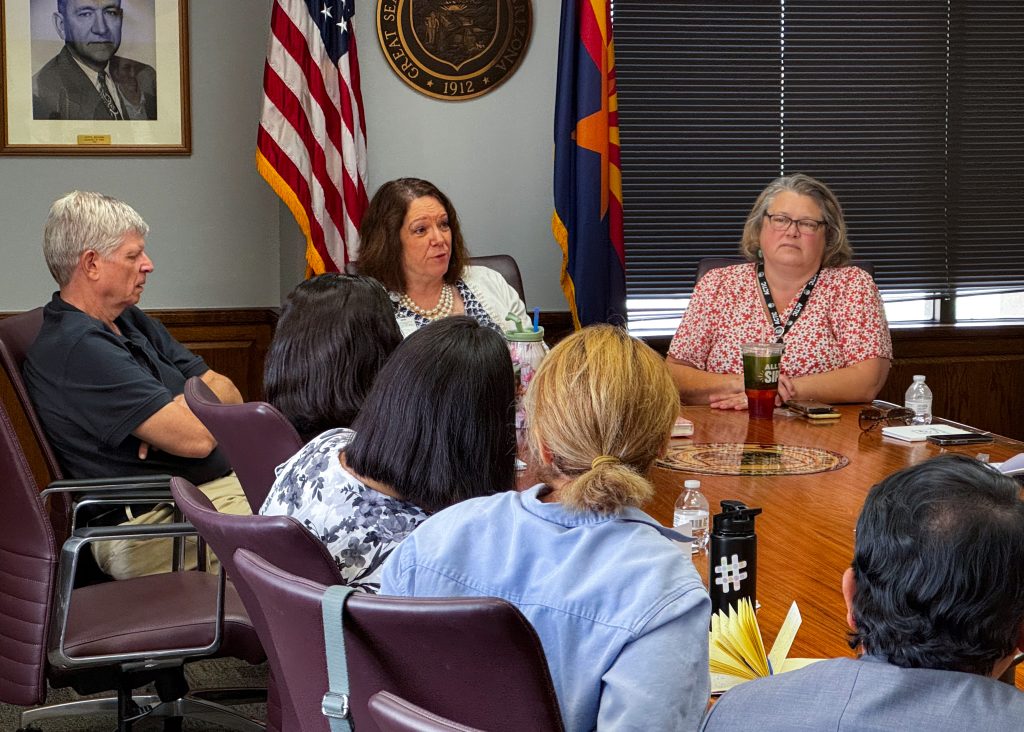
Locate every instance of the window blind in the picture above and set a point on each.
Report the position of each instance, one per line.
(913, 112)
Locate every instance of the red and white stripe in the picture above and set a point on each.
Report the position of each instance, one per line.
(311, 145)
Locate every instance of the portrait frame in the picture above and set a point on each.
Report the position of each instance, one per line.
(164, 43)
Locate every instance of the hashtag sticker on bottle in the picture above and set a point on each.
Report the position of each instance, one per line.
(730, 572)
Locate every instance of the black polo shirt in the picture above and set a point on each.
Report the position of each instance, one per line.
(92, 388)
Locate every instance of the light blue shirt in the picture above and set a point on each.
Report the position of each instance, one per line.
(619, 608)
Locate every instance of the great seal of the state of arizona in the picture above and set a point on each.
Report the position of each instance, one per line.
(454, 49)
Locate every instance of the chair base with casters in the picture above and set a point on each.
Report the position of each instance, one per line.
(161, 622)
(139, 707)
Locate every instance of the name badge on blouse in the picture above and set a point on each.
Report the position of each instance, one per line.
(407, 325)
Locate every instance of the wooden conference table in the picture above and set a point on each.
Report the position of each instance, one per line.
(806, 531)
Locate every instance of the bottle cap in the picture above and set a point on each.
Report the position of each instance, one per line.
(918, 377)
(521, 335)
(691, 485)
(735, 520)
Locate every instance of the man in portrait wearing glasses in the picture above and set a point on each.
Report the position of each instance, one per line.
(935, 604)
(87, 79)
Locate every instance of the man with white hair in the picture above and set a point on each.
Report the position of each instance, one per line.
(107, 380)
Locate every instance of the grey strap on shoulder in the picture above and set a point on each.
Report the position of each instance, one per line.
(335, 703)
(668, 533)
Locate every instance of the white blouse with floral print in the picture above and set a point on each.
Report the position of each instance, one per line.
(359, 525)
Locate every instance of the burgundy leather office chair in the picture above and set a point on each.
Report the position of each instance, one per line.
(254, 436)
(392, 713)
(109, 636)
(475, 661)
(17, 333)
(709, 263)
(292, 546)
(503, 264)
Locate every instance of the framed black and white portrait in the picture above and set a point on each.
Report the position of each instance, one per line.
(95, 77)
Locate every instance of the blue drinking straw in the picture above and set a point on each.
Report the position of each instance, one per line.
(536, 319)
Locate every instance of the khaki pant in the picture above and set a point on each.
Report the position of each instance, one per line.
(124, 558)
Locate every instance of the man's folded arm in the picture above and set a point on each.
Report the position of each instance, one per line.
(175, 430)
(222, 386)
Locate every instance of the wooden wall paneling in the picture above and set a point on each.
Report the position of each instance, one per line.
(975, 373)
(232, 342)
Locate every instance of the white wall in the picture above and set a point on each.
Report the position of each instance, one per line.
(491, 155)
(220, 238)
(215, 223)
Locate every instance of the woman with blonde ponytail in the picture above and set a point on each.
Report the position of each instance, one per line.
(620, 610)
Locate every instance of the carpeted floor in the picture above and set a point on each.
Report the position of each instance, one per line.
(201, 675)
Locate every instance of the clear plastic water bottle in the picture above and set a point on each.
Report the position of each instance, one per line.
(919, 398)
(691, 515)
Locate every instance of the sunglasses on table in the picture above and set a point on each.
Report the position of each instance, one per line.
(871, 417)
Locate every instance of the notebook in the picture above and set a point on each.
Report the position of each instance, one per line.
(736, 651)
(920, 432)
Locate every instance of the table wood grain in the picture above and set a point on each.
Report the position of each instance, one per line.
(806, 531)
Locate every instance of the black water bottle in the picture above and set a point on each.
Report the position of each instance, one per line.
(732, 574)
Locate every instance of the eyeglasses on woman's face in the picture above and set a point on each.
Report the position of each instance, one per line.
(871, 417)
(781, 222)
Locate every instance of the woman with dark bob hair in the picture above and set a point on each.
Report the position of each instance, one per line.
(410, 241)
(435, 429)
(619, 609)
(334, 334)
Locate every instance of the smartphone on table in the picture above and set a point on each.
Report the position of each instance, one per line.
(960, 438)
(812, 409)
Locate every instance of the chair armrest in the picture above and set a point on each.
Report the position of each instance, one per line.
(122, 490)
(126, 498)
(67, 567)
(97, 485)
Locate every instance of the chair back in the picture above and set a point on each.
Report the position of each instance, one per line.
(254, 436)
(281, 537)
(503, 264)
(476, 661)
(392, 713)
(709, 263)
(506, 266)
(28, 561)
(17, 334)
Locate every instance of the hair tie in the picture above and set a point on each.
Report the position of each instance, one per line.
(603, 459)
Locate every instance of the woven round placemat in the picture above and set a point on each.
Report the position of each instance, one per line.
(739, 458)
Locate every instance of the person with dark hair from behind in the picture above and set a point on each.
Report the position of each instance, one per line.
(334, 334)
(619, 609)
(935, 602)
(435, 429)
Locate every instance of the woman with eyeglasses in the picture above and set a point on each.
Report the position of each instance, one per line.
(798, 289)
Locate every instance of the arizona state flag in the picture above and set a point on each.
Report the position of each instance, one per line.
(587, 222)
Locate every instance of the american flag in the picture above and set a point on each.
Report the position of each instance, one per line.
(311, 145)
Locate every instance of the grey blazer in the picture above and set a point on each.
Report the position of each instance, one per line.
(61, 90)
(865, 695)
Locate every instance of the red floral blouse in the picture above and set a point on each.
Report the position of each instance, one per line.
(844, 323)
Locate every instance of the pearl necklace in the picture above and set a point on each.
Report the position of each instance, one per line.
(442, 310)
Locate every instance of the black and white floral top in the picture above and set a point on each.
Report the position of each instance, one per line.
(474, 308)
(359, 525)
